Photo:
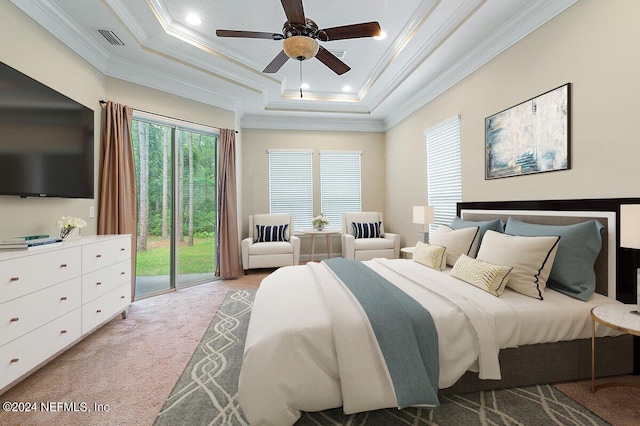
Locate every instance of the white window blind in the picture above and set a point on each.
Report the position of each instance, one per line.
(291, 185)
(444, 171)
(340, 184)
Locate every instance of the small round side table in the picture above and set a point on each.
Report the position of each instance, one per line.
(313, 232)
(616, 316)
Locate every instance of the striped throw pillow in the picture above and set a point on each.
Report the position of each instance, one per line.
(431, 256)
(366, 230)
(271, 233)
(490, 278)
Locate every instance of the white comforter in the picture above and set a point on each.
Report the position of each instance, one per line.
(309, 345)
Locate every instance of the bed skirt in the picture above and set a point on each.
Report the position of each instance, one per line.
(552, 363)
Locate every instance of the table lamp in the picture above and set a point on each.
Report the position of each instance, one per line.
(423, 215)
(630, 237)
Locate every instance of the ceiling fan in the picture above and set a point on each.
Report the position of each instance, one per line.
(300, 35)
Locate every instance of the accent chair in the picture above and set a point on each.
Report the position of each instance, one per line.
(363, 237)
(271, 242)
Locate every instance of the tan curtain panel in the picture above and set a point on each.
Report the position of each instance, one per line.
(228, 258)
(117, 211)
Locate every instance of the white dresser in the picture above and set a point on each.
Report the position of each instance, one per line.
(51, 297)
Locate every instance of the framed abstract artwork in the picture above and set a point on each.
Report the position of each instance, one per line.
(531, 137)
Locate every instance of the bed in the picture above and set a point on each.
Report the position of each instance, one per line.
(310, 346)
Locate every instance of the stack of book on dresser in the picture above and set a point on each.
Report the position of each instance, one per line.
(30, 242)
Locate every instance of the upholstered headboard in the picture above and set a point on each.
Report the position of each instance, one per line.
(605, 265)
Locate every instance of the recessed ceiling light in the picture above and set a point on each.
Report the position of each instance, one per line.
(346, 88)
(304, 86)
(382, 36)
(193, 19)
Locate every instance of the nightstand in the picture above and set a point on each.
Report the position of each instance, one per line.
(618, 317)
(407, 252)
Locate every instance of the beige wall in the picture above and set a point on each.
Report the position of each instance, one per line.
(592, 45)
(255, 167)
(24, 45)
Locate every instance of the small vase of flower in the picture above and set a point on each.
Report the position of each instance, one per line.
(67, 224)
(320, 221)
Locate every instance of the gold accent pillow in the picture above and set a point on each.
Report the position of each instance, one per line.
(486, 276)
(432, 256)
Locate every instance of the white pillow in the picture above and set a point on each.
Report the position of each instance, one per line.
(456, 241)
(530, 257)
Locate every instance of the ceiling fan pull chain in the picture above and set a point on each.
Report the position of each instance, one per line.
(300, 79)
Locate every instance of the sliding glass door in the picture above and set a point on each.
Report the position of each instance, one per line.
(196, 207)
(176, 169)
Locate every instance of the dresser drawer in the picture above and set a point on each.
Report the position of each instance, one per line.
(98, 311)
(24, 314)
(29, 273)
(104, 280)
(105, 253)
(26, 352)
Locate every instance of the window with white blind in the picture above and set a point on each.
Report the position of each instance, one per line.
(444, 171)
(291, 185)
(340, 184)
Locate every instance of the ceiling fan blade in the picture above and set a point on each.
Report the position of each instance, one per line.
(248, 34)
(330, 60)
(366, 29)
(294, 11)
(277, 63)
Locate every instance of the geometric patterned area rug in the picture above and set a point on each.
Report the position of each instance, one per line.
(206, 392)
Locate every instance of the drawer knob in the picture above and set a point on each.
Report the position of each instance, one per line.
(122, 249)
(14, 360)
(15, 319)
(63, 331)
(121, 297)
(98, 311)
(98, 256)
(122, 273)
(14, 279)
(63, 298)
(98, 283)
(64, 265)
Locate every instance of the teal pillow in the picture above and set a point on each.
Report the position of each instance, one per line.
(493, 225)
(580, 244)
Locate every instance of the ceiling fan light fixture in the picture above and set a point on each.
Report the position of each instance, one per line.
(300, 47)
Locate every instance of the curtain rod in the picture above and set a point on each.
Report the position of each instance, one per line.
(103, 103)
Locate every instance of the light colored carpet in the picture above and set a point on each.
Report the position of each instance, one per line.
(130, 365)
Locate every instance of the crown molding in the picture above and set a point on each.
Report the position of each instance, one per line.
(415, 23)
(148, 77)
(287, 114)
(207, 44)
(121, 11)
(304, 105)
(270, 122)
(502, 39)
(56, 22)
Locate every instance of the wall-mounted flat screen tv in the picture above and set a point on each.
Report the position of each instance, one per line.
(46, 140)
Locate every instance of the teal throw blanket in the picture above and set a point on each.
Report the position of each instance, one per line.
(404, 329)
